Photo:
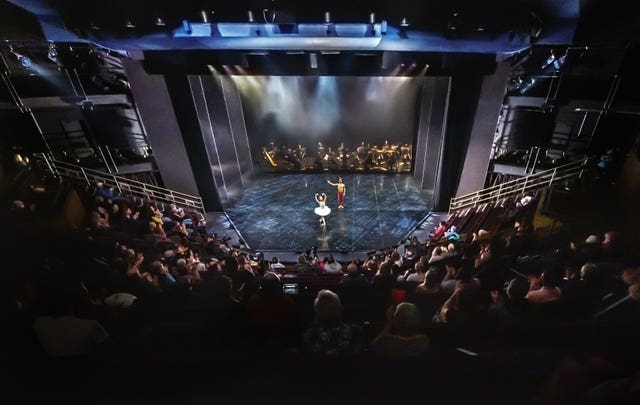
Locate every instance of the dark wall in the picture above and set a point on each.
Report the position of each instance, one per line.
(465, 92)
(485, 117)
(164, 133)
(221, 121)
(187, 118)
(431, 132)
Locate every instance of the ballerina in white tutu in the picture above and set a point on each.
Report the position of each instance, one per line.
(322, 208)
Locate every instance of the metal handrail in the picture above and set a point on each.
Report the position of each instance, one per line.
(124, 185)
(520, 185)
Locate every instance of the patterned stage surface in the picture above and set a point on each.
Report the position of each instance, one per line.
(276, 212)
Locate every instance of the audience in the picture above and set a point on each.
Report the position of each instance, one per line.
(142, 259)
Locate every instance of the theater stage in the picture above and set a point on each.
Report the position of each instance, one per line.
(275, 213)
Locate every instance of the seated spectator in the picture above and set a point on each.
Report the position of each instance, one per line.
(440, 230)
(271, 314)
(353, 278)
(545, 289)
(303, 264)
(275, 264)
(467, 305)
(437, 252)
(524, 201)
(418, 275)
(384, 279)
(591, 249)
(611, 246)
(156, 230)
(331, 266)
(329, 335)
(354, 290)
(401, 335)
(428, 296)
(64, 334)
(452, 234)
(571, 285)
(430, 284)
(517, 291)
(160, 276)
(452, 273)
(105, 192)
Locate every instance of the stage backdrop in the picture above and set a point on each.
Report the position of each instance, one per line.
(341, 113)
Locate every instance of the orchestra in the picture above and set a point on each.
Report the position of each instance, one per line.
(389, 157)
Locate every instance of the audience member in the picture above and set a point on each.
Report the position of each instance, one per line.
(401, 335)
(329, 335)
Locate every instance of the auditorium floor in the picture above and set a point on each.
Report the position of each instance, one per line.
(277, 212)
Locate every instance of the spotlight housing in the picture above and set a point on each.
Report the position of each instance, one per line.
(129, 24)
(327, 17)
(160, 22)
(250, 17)
(404, 22)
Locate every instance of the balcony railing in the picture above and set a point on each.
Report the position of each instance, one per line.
(124, 186)
(521, 185)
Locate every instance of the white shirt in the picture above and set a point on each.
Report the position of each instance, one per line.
(334, 267)
(68, 335)
(416, 277)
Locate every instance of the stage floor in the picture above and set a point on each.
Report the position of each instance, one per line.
(275, 213)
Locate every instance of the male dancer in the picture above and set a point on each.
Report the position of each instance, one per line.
(342, 189)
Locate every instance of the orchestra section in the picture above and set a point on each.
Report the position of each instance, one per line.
(388, 157)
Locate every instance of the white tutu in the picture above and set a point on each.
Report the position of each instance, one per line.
(322, 211)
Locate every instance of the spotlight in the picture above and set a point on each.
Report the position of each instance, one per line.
(204, 17)
(160, 22)
(372, 18)
(53, 52)
(250, 17)
(129, 24)
(94, 26)
(327, 17)
(404, 22)
(22, 60)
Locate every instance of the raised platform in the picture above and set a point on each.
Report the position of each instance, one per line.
(276, 213)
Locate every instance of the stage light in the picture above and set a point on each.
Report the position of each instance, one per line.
(204, 17)
(250, 17)
(327, 17)
(526, 85)
(160, 22)
(372, 18)
(22, 60)
(94, 26)
(53, 52)
(313, 60)
(404, 22)
(129, 24)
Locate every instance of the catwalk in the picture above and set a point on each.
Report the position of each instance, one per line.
(277, 212)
